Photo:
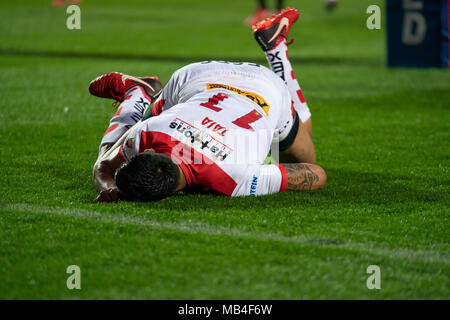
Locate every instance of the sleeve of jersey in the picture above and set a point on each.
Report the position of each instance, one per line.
(130, 145)
(262, 179)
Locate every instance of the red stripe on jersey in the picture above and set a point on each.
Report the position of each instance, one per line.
(197, 168)
(292, 74)
(284, 178)
(187, 123)
(118, 112)
(292, 109)
(300, 96)
(111, 128)
(157, 107)
(120, 155)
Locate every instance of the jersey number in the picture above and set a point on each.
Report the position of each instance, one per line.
(243, 122)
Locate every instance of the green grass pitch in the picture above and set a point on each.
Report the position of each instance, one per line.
(381, 134)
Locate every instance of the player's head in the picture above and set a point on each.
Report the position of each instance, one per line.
(148, 176)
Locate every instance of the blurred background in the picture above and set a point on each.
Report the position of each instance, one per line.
(188, 29)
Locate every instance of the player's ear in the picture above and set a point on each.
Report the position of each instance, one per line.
(149, 150)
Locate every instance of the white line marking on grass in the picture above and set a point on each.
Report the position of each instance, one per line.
(213, 230)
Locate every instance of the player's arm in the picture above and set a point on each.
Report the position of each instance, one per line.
(265, 179)
(104, 172)
(305, 176)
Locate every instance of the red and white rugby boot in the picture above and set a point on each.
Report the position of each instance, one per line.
(114, 85)
(271, 32)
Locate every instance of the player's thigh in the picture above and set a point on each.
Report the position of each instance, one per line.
(308, 126)
(302, 150)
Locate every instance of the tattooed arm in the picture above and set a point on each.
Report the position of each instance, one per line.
(305, 176)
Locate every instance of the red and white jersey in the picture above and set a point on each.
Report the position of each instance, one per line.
(218, 120)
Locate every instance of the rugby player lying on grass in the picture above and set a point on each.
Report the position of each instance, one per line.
(212, 126)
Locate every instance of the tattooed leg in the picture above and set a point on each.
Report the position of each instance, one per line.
(305, 176)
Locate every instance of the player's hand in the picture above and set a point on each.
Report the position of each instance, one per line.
(109, 195)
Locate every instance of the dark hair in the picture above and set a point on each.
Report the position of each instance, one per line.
(148, 176)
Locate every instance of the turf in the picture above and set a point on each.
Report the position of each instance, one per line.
(381, 134)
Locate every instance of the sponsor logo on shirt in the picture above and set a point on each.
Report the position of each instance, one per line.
(199, 140)
(249, 95)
